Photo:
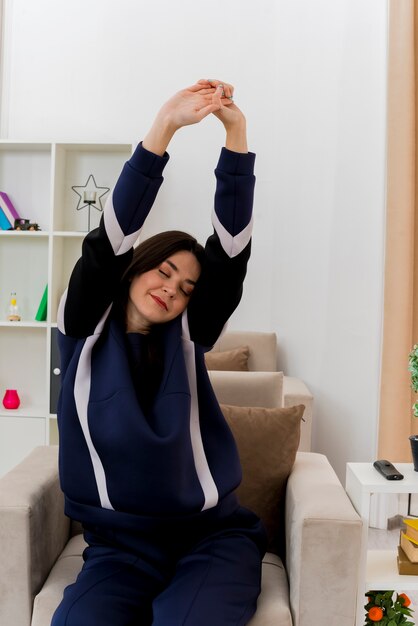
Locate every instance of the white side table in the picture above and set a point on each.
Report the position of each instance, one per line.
(378, 568)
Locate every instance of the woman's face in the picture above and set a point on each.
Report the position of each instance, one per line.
(160, 295)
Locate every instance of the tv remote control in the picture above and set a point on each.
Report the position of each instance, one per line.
(387, 469)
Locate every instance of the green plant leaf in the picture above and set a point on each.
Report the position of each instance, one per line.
(405, 611)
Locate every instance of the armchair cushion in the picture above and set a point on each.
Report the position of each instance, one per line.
(267, 441)
(63, 573)
(235, 360)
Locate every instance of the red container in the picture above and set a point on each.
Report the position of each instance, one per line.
(11, 399)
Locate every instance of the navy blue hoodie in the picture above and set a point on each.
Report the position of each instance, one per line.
(121, 465)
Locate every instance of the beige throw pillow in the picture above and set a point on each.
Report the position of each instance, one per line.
(267, 441)
(235, 360)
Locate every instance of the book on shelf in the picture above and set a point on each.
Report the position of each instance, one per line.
(405, 566)
(4, 222)
(42, 309)
(409, 547)
(411, 528)
(8, 211)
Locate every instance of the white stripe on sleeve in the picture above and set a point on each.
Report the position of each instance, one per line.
(232, 245)
(120, 242)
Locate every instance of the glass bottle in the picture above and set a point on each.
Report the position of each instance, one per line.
(13, 315)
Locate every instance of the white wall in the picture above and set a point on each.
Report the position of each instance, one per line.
(310, 77)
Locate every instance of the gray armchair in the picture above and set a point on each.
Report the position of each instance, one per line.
(41, 548)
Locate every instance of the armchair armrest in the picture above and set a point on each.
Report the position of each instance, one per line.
(323, 538)
(33, 531)
(296, 392)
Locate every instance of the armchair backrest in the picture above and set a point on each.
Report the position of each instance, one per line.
(263, 348)
(244, 389)
(264, 387)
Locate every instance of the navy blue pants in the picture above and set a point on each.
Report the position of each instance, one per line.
(197, 575)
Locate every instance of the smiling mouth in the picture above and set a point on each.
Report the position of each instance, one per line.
(160, 302)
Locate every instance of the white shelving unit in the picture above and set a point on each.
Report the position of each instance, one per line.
(378, 568)
(38, 177)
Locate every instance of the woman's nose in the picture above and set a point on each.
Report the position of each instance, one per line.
(169, 290)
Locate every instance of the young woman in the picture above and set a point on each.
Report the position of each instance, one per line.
(147, 461)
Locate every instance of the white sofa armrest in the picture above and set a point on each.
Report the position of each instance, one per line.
(296, 392)
(33, 532)
(323, 539)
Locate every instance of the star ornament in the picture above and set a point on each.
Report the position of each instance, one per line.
(87, 192)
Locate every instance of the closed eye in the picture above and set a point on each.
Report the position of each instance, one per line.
(183, 291)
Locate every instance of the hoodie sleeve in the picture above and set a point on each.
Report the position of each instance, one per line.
(219, 289)
(107, 250)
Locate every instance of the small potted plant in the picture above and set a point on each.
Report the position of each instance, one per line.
(413, 368)
(387, 608)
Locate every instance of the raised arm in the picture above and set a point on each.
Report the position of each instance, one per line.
(219, 288)
(107, 250)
